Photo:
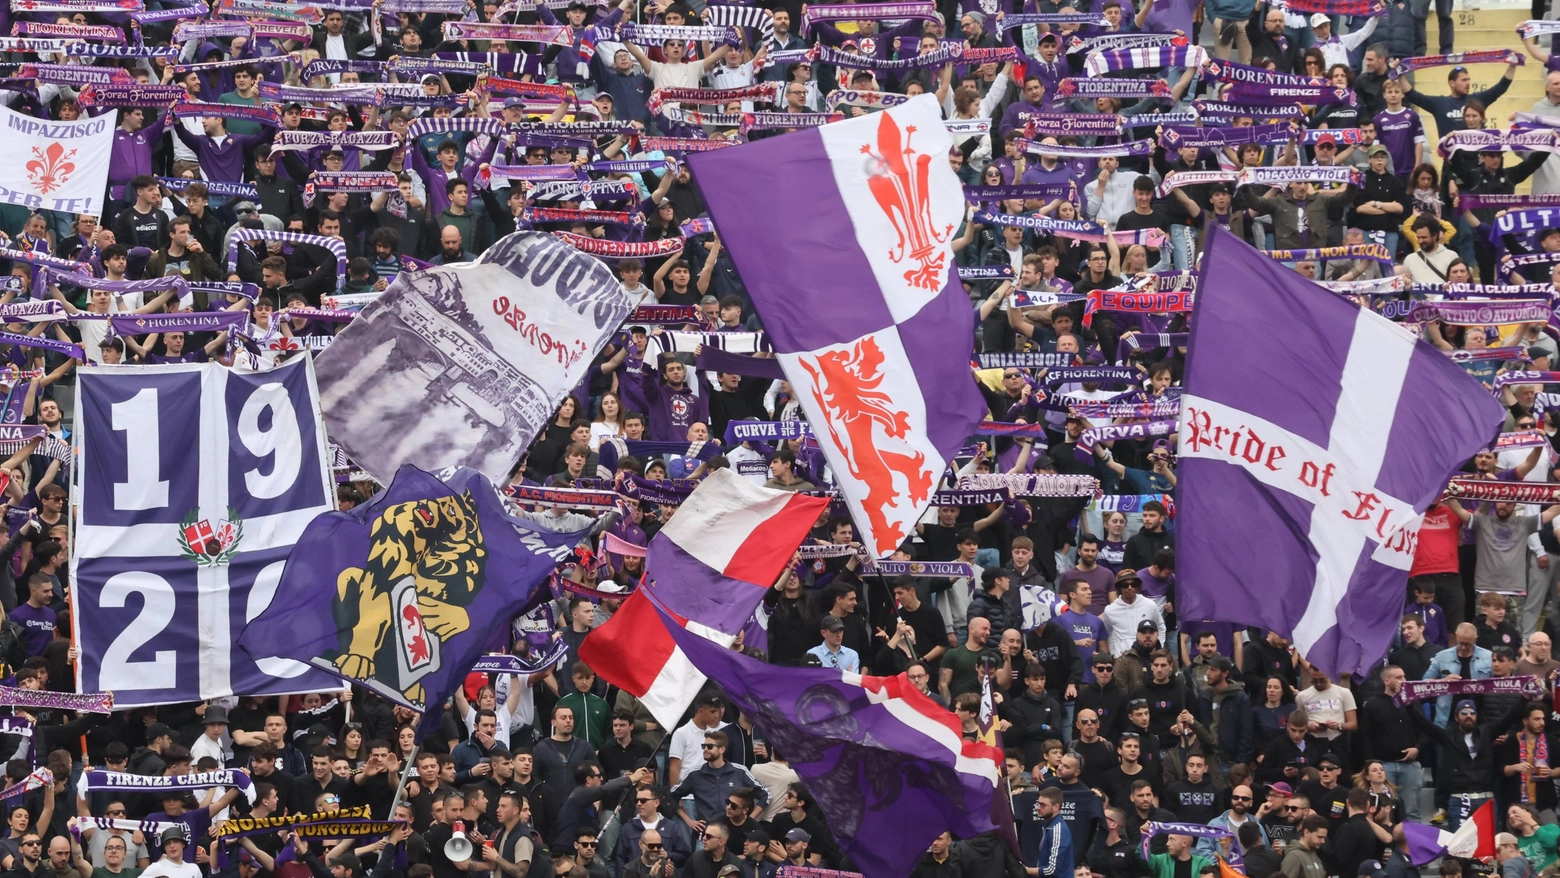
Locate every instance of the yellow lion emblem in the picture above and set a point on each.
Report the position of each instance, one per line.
(425, 565)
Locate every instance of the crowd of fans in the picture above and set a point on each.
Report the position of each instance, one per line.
(1112, 712)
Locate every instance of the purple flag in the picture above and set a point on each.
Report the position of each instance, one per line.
(889, 766)
(1300, 503)
(885, 378)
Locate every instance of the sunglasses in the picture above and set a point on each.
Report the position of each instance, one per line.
(733, 804)
(1291, 808)
(585, 844)
(643, 801)
(1088, 722)
(708, 746)
(1240, 798)
(1104, 669)
(651, 846)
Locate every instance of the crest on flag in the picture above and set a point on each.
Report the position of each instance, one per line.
(51, 167)
(208, 546)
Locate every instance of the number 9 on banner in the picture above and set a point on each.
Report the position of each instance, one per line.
(193, 485)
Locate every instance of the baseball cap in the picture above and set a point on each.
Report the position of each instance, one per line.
(759, 836)
(1320, 18)
(1146, 625)
(1327, 139)
(1222, 663)
(157, 730)
(514, 103)
(1328, 759)
(1501, 838)
(1376, 149)
(798, 834)
(1466, 704)
(430, 77)
(848, 44)
(728, 869)
(991, 574)
(1052, 37)
(1282, 789)
(1371, 869)
(831, 623)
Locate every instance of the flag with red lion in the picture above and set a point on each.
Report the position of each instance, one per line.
(849, 264)
(54, 165)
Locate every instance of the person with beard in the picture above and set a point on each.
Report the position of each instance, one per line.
(791, 626)
(1358, 837)
(1034, 716)
(1132, 665)
(1165, 692)
(1468, 752)
(1525, 758)
(1142, 806)
(1112, 854)
(1235, 820)
(1286, 755)
(1096, 753)
(1226, 710)
(544, 800)
(1080, 805)
(1122, 781)
(1387, 734)
(1104, 696)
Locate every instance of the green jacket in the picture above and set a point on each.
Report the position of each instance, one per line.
(590, 717)
(1163, 865)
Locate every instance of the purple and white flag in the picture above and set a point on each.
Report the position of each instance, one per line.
(1300, 506)
(885, 382)
(177, 549)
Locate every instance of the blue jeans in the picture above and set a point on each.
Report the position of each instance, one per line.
(1460, 808)
(1182, 243)
(1409, 778)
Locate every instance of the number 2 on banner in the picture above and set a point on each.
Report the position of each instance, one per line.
(118, 671)
(136, 417)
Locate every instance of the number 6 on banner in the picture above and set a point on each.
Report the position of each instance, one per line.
(193, 485)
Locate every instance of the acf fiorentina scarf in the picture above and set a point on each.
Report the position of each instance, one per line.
(1229, 71)
(945, 54)
(1507, 378)
(1488, 291)
(1211, 111)
(90, 702)
(549, 34)
(1112, 42)
(1070, 124)
(1377, 252)
(1177, 136)
(1083, 230)
(95, 32)
(1129, 148)
(1483, 56)
(1265, 95)
(143, 96)
(1491, 491)
(1145, 57)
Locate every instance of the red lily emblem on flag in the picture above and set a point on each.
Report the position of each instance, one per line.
(50, 168)
(901, 185)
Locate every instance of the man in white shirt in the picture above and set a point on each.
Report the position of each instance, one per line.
(210, 742)
(1331, 708)
(1110, 195)
(1546, 180)
(172, 864)
(687, 746)
(1130, 609)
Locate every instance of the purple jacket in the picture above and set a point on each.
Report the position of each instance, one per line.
(570, 60)
(132, 155)
(222, 162)
(435, 180)
(877, 45)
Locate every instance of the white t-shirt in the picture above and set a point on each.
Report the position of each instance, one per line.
(688, 745)
(1324, 707)
(165, 868)
(682, 75)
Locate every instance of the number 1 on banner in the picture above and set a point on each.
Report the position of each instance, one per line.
(136, 417)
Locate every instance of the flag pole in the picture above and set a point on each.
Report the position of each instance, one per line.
(406, 771)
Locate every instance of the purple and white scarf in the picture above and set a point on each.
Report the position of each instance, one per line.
(37, 780)
(869, 100)
(867, 12)
(1516, 684)
(785, 121)
(1032, 484)
(656, 34)
(1344, 136)
(103, 50)
(630, 166)
(1538, 27)
(143, 96)
(679, 145)
(1463, 313)
(1229, 71)
(1023, 18)
(1520, 439)
(1481, 140)
(1111, 87)
(1220, 111)
(1264, 95)
(33, 311)
(1400, 66)
(1177, 179)
(925, 569)
(1175, 136)
(153, 16)
(323, 66)
(223, 64)
(1028, 360)
(1489, 291)
(1084, 451)
(1475, 201)
(547, 34)
(1158, 408)
(98, 780)
(1004, 428)
(1070, 124)
(532, 172)
(1381, 286)
(1037, 191)
(31, 44)
(1483, 354)
(986, 272)
(767, 431)
(1056, 150)
(218, 188)
(207, 30)
(540, 215)
(1036, 299)
(75, 74)
(44, 259)
(531, 495)
(1092, 374)
(967, 127)
(1509, 263)
(1196, 830)
(337, 248)
(508, 63)
(1112, 42)
(945, 54)
(1131, 344)
(88, 702)
(530, 664)
(568, 190)
(263, 115)
(347, 94)
(1280, 176)
(1145, 58)
(182, 321)
(1507, 378)
(369, 140)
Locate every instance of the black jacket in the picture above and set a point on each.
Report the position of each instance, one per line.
(1054, 649)
(1386, 730)
(1143, 546)
(1236, 730)
(989, 856)
(1107, 701)
(1468, 773)
(1035, 721)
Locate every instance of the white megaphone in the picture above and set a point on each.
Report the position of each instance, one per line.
(458, 849)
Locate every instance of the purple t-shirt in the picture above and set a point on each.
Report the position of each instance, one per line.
(1398, 132)
(1153, 586)
(37, 627)
(1223, 632)
(1084, 626)
(1169, 16)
